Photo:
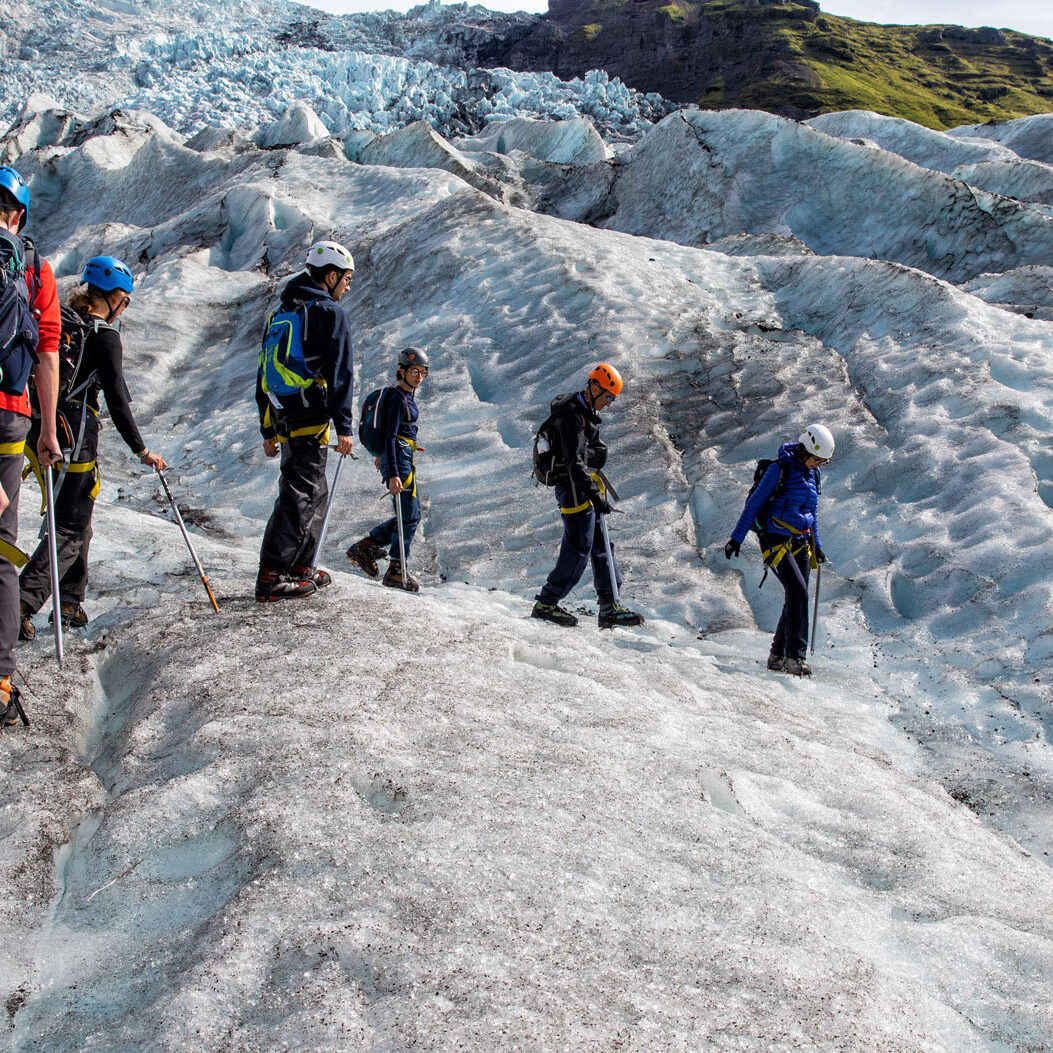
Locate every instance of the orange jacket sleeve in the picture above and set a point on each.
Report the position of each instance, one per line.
(46, 305)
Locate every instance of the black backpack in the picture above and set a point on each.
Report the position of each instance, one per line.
(18, 326)
(758, 473)
(549, 468)
(74, 338)
(371, 419)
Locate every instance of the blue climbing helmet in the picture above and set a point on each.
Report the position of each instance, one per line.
(107, 273)
(18, 188)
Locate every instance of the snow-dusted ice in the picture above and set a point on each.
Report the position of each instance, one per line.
(378, 821)
(237, 64)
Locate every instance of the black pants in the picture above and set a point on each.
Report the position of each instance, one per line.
(295, 524)
(13, 428)
(74, 505)
(791, 634)
(582, 542)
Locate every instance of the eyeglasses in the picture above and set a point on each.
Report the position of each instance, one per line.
(124, 303)
(417, 371)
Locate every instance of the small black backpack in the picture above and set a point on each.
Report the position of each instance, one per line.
(547, 468)
(758, 473)
(72, 341)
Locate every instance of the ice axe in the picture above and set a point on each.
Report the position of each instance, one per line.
(610, 559)
(186, 538)
(328, 509)
(56, 599)
(815, 609)
(402, 537)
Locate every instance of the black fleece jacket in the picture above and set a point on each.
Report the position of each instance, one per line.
(576, 430)
(104, 356)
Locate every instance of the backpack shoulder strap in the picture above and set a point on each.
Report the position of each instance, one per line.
(32, 257)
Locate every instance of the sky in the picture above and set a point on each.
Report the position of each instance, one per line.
(1027, 16)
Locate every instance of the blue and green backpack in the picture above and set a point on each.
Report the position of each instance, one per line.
(283, 366)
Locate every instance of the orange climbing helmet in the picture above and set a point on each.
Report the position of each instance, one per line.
(608, 378)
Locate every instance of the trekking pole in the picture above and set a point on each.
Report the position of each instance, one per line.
(402, 538)
(328, 509)
(186, 538)
(56, 599)
(610, 558)
(797, 570)
(815, 610)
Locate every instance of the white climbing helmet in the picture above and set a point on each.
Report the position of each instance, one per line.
(817, 441)
(329, 254)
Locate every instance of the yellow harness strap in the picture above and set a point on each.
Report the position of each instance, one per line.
(781, 550)
(13, 554)
(87, 466)
(410, 480)
(12, 449)
(598, 480)
(320, 430)
(33, 466)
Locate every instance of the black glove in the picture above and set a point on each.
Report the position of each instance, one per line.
(819, 556)
(731, 549)
(601, 504)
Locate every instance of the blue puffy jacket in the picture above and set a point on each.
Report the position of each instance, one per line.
(796, 505)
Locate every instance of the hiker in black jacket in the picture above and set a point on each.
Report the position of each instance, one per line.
(296, 421)
(108, 292)
(581, 495)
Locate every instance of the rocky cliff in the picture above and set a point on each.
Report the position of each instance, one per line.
(785, 56)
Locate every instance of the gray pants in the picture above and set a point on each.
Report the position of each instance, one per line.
(13, 430)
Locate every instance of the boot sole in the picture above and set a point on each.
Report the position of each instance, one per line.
(370, 572)
(287, 596)
(554, 621)
(402, 588)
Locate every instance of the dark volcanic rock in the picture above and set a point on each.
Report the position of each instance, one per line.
(673, 47)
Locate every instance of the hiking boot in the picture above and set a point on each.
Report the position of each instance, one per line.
(796, 667)
(394, 579)
(74, 616)
(11, 711)
(321, 578)
(26, 629)
(272, 586)
(615, 614)
(549, 612)
(776, 662)
(364, 554)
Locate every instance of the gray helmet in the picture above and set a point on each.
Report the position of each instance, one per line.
(413, 356)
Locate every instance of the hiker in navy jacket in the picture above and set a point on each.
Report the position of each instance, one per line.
(398, 424)
(785, 506)
(298, 425)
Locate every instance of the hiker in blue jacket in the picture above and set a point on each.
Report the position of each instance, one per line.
(297, 424)
(398, 424)
(788, 520)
